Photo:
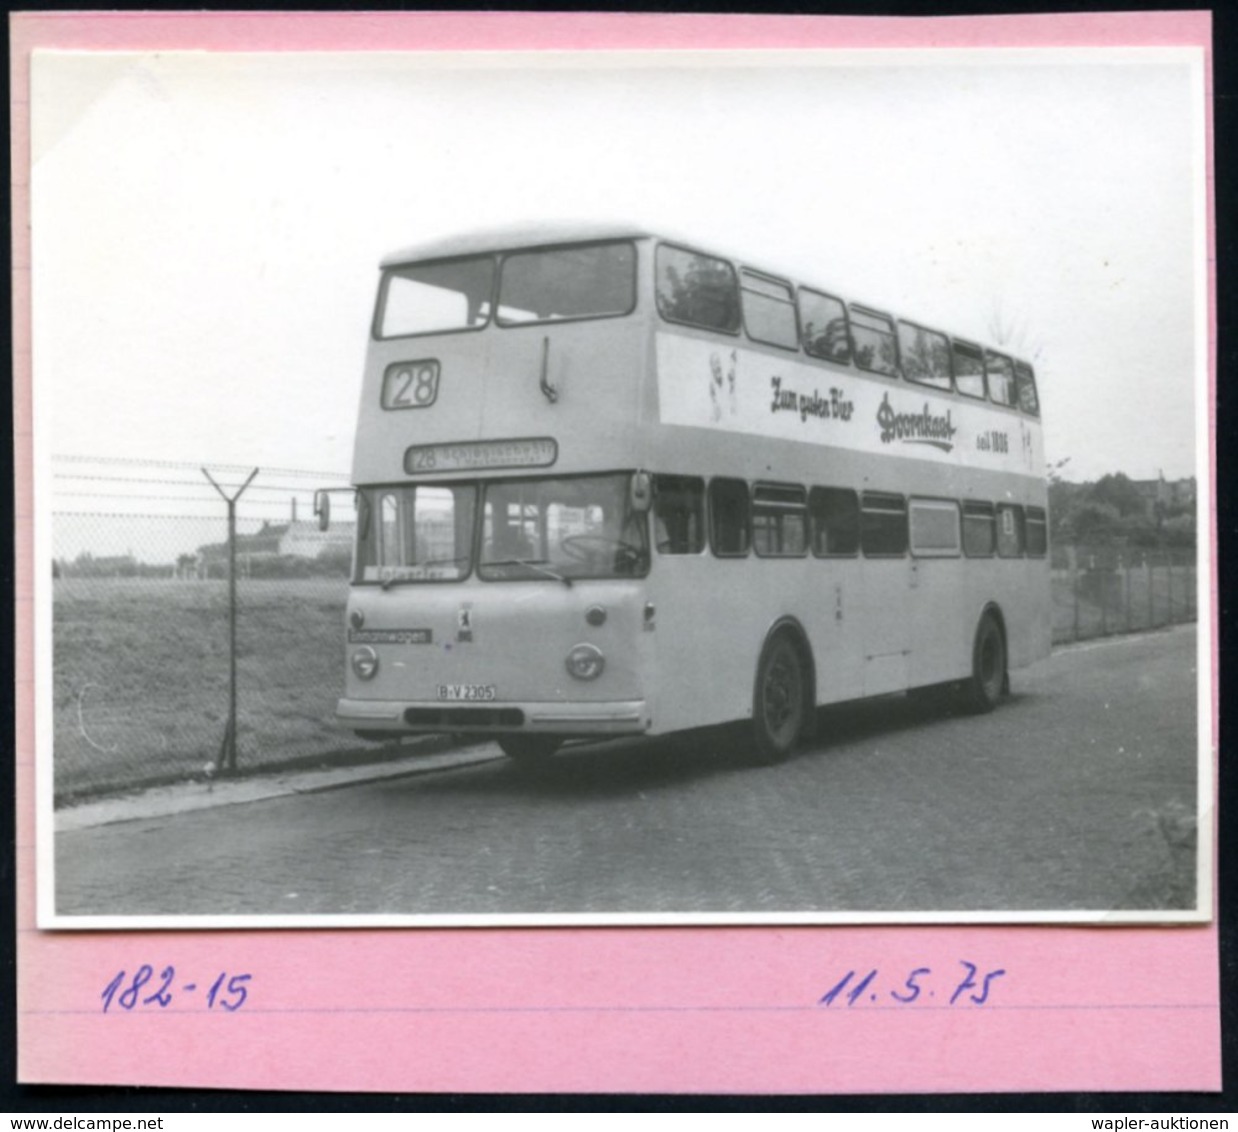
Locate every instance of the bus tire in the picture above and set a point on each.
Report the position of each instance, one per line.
(529, 750)
(780, 702)
(988, 667)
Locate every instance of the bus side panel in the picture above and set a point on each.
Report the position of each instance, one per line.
(944, 616)
(1032, 612)
(712, 619)
(702, 630)
(834, 619)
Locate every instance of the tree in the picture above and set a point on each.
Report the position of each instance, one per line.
(1118, 492)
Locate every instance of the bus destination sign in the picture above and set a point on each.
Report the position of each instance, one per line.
(475, 455)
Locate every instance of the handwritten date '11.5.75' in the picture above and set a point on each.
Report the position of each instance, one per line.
(972, 988)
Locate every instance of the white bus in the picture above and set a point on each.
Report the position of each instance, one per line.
(610, 483)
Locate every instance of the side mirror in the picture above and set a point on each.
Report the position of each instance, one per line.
(640, 492)
(322, 508)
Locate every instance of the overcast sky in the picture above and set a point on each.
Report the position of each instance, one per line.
(207, 227)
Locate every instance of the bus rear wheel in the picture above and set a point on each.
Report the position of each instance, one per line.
(529, 750)
(780, 699)
(988, 678)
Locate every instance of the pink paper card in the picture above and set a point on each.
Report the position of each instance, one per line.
(698, 411)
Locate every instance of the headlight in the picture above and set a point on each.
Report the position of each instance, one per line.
(586, 662)
(365, 662)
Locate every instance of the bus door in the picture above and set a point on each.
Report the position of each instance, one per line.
(696, 681)
(942, 629)
(889, 576)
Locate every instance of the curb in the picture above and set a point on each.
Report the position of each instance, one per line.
(189, 797)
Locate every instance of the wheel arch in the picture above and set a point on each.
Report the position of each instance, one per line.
(792, 627)
(994, 610)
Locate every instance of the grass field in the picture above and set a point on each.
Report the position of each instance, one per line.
(140, 667)
(140, 676)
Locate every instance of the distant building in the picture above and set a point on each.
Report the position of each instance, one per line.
(304, 540)
(1166, 496)
(87, 565)
(297, 540)
(263, 543)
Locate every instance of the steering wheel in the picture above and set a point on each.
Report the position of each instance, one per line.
(583, 547)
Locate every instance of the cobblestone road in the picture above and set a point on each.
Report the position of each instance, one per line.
(1077, 793)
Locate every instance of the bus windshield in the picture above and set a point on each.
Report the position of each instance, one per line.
(579, 527)
(415, 534)
(551, 285)
(547, 529)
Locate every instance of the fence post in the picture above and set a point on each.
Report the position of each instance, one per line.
(1126, 593)
(1104, 600)
(1169, 587)
(227, 749)
(1150, 578)
(1072, 560)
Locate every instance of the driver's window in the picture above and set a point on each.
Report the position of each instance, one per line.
(511, 531)
(389, 511)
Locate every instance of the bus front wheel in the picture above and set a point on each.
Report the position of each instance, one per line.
(530, 750)
(780, 699)
(988, 678)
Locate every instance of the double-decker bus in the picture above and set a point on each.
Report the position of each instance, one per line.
(610, 483)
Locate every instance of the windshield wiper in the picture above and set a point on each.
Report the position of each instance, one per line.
(396, 580)
(535, 566)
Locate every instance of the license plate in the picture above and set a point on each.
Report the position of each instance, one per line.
(467, 691)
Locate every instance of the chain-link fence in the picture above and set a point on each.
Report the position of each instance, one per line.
(141, 624)
(1098, 591)
(141, 619)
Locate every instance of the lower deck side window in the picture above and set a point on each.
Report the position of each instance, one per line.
(779, 521)
(730, 521)
(1009, 530)
(934, 528)
(883, 526)
(679, 514)
(1037, 532)
(979, 530)
(835, 513)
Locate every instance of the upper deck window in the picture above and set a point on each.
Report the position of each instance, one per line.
(926, 355)
(697, 289)
(1025, 387)
(1000, 371)
(769, 312)
(824, 320)
(875, 348)
(968, 369)
(435, 298)
(588, 281)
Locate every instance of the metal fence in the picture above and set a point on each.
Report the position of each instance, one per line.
(1099, 591)
(141, 618)
(141, 624)
(141, 663)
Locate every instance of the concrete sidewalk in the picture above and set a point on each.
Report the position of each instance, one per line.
(186, 797)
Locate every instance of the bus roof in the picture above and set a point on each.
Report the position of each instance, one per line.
(516, 236)
(552, 233)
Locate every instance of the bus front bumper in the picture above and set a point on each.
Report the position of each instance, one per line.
(607, 717)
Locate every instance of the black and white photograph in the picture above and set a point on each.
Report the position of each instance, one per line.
(668, 487)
